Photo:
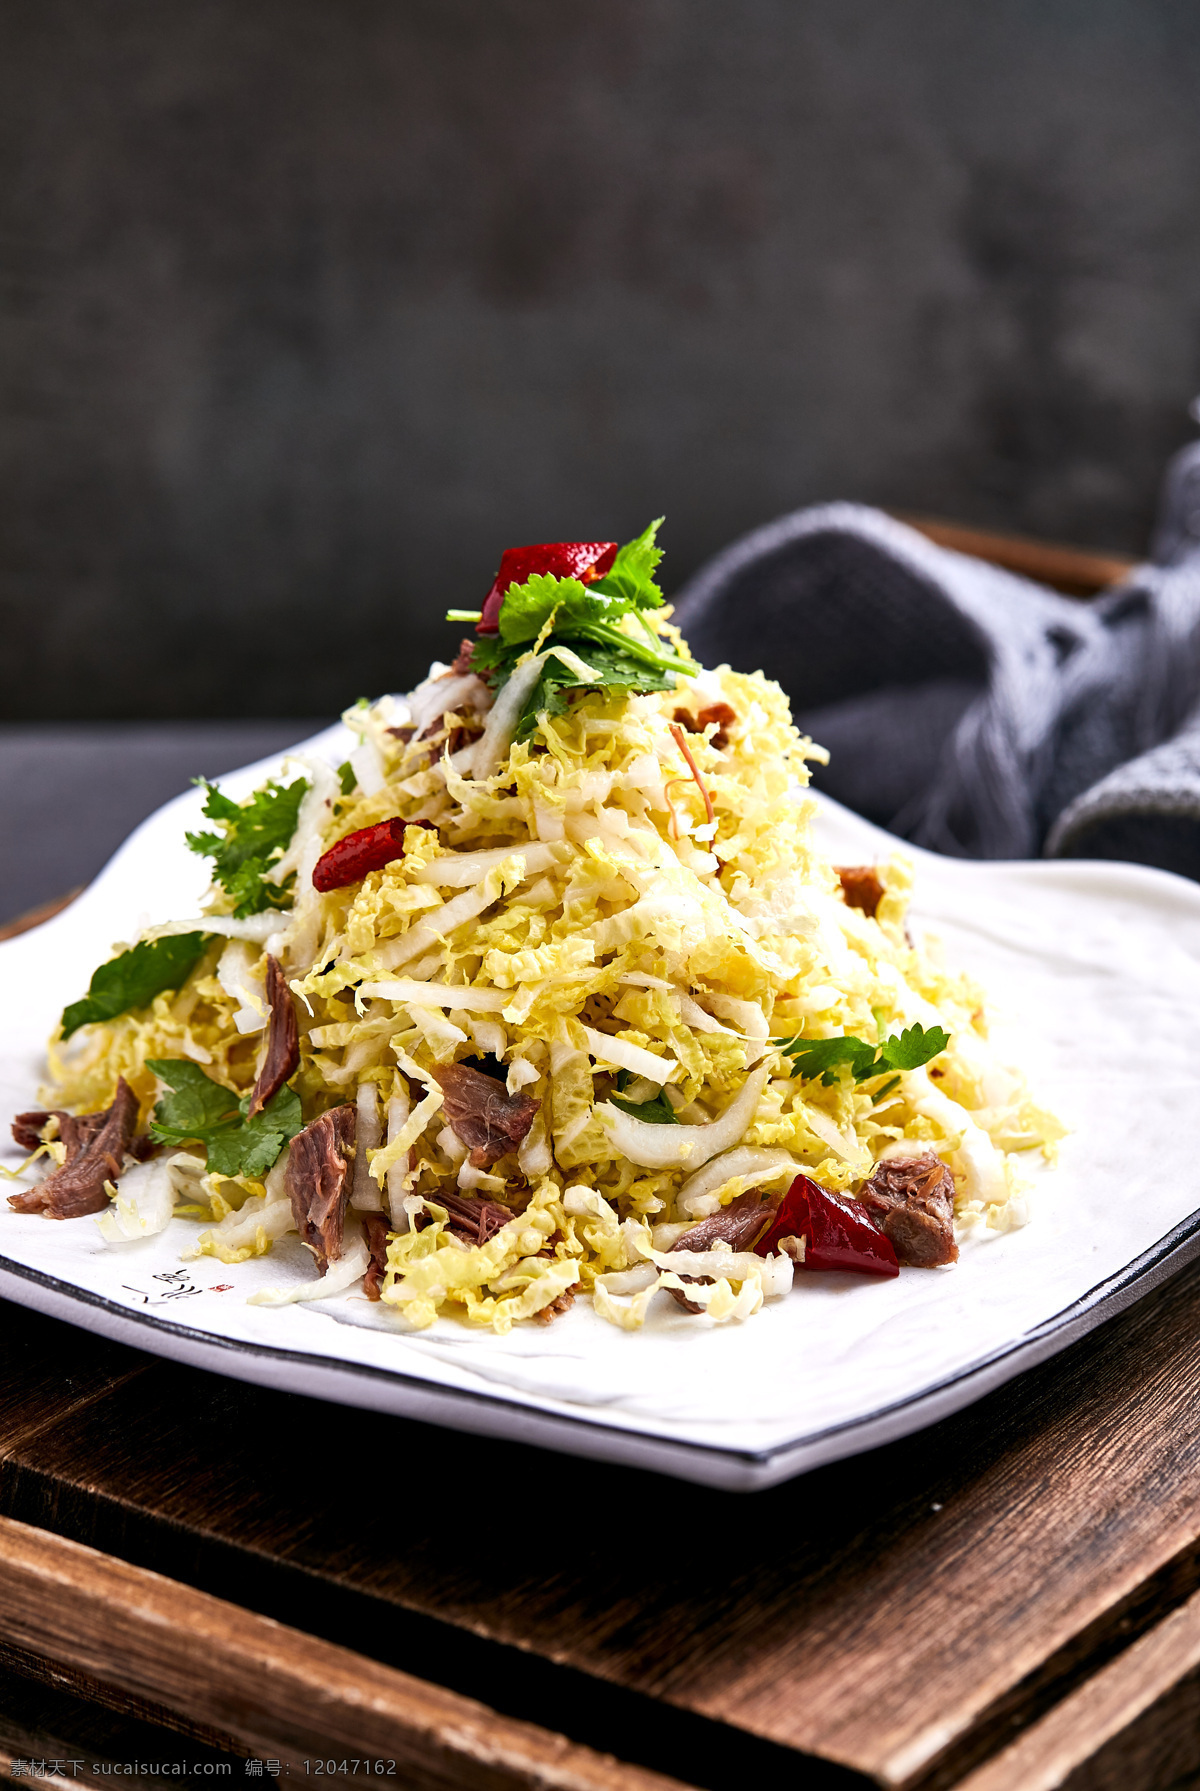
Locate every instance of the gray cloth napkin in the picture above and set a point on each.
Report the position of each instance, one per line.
(967, 709)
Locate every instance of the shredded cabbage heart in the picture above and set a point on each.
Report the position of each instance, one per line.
(618, 913)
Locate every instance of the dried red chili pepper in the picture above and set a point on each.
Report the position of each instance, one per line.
(585, 560)
(367, 849)
(838, 1234)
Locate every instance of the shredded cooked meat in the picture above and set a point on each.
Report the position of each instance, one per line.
(450, 742)
(482, 1113)
(27, 1127)
(469, 1216)
(912, 1201)
(375, 1231)
(457, 738)
(318, 1182)
(562, 1303)
(720, 713)
(737, 1225)
(437, 723)
(282, 1056)
(96, 1147)
(862, 887)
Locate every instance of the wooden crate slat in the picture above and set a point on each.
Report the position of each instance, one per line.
(284, 1693)
(33, 917)
(845, 1616)
(1134, 1723)
(50, 1372)
(40, 1694)
(1075, 571)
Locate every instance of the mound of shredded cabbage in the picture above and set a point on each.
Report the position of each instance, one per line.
(576, 914)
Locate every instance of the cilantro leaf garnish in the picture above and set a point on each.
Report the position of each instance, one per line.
(255, 833)
(134, 978)
(914, 1047)
(347, 778)
(824, 1058)
(907, 1050)
(201, 1109)
(198, 1105)
(658, 1112)
(632, 573)
(599, 623)
(574, 612)
(558, 683)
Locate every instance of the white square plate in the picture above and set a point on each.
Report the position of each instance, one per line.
(1093, 975)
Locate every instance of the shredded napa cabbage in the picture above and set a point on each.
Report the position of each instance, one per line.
(574, 914)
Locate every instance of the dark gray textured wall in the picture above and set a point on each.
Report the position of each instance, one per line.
(311, 306)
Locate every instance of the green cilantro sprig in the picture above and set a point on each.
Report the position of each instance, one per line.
(586, 619)
(658, 1112)
(134, 978)
(200, 1109)
(254, 834)
(907, 1050)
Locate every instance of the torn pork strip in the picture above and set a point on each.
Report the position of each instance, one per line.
(375, 1231)
(470, 1216)
(282, 1056)
(724, 717)
(318, 1182)
(718, 713)
(74, 1132)
(737, 1225)
(912, 1202)
(96, 1147)
(560, 1304)
(482, 1113)
(862, 887)
(27, 1128)
(462, 691)
(457, 738)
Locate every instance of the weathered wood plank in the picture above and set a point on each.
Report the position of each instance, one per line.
(893, 1613)
(283, 1693)
(1134, 1724)
(49, 1372)
(33, 917)
(50, 1712)
(1076, 571)
(186, 1475)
